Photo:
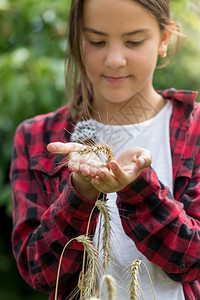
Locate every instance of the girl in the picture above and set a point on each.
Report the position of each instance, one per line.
(153, 182)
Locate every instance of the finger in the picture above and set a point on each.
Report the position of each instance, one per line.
(143, 158)
(143, 162)
(73, 166)
(120, 175)
(101, 185)
(85, 169)
(63, 148)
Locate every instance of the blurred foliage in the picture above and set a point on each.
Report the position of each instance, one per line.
(32, 58)
(183, 72)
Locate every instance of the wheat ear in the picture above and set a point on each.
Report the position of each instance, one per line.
(134, 284)
(81, 277)
(97, 149)
(89, 283)
(81, 282)
(111, 286)
(101, 205)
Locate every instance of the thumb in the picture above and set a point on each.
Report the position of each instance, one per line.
(143, 162)
(63, 148)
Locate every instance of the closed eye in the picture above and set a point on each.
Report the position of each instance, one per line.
(98, 43)
(135, 43)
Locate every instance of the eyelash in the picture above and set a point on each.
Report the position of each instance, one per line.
(101, 43)
(129, 43)
(135, 44)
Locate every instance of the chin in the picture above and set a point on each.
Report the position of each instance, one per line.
(118, 99)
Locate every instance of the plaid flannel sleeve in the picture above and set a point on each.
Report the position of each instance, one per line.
(45, 217)
(165, 230)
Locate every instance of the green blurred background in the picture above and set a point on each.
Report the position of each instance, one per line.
(32, 58)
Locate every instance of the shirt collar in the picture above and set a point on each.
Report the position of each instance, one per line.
(183, 103)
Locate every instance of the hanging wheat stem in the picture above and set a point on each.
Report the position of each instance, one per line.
(87, 282)
(84, 259)
(106, 232)
(59, 267)
(111, 286)
(81, 277)
(100, 222)
(98, 243)
(149, 276)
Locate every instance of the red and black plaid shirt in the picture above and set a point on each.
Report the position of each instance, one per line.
(48, 212)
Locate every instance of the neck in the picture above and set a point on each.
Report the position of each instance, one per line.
(132, 111)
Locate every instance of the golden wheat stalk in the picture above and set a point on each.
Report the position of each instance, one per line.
(59, 267)
(101, 205)
(134, 284)
(97, 149)
(81, 277)
(87, 281)
(87, 286)
(93, 146)
(149, 276)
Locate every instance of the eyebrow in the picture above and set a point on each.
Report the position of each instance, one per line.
(144, 30)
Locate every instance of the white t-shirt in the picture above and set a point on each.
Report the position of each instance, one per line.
(153, 135)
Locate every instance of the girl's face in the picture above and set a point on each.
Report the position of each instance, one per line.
(121, 44)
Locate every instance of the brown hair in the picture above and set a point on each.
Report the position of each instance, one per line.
(81, 106)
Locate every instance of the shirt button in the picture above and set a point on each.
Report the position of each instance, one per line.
(182, 267)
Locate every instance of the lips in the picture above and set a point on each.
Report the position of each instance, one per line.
(119, 79)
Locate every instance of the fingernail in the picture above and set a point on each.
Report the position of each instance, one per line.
(52, 147)
(113, 165)
(75, 167)
(93, 171)
(101, 175)
(97, 180)
(142, 162)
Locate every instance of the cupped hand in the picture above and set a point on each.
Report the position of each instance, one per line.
(91, 174)
(83, 165)
(124, 170)
(86, 163)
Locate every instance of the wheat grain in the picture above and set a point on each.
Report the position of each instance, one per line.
(87, 282)
(101, 205)
(97, 149)
(134, 284)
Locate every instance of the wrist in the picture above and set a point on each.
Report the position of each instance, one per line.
(84, 187)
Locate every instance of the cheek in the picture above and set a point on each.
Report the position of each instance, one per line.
(144, 60)
(92, 59)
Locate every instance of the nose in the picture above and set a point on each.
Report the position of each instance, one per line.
(115, 57)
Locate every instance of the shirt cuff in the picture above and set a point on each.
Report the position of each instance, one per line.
(77, 205)
(139, 190)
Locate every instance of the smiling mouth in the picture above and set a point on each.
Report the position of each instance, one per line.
(116, 79)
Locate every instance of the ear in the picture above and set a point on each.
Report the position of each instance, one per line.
(164, 41)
